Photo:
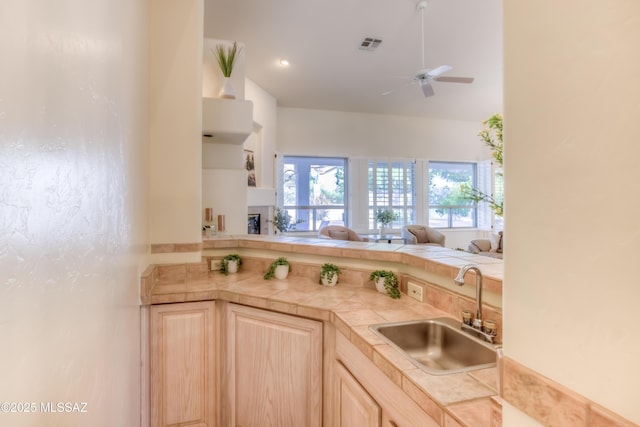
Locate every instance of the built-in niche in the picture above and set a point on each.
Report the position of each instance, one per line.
(258, 220)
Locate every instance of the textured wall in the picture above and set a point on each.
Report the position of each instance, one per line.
(72, 209)
(572, 199)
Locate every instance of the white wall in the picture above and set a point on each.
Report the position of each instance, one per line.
(175, 122)
(73, 229)
(264, 143)
(335, 133)
(573, 200)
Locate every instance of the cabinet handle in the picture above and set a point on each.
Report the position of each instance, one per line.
(391, 424)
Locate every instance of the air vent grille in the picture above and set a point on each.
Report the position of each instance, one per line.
(370, 44)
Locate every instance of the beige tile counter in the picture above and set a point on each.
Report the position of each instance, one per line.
(351, 306)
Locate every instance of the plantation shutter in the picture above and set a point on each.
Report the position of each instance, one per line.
(484, 183)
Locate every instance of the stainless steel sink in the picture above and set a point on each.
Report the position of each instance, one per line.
(438, 346)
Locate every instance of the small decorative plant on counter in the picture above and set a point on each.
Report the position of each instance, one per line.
(230, 264)
(386, 282)
(282, 221)
(278, 269)
(329, 274)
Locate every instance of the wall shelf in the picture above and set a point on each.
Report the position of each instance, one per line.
(228, 121)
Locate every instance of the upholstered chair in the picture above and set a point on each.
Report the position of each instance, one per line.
(339, 232)
(415, 234)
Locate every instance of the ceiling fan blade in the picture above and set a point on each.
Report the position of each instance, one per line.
(454, 79)
(427, 90)
(389, 92)
(441, 69)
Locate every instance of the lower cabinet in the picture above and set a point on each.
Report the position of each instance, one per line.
(182, 370)
(271, 369)
(356, 407)
(365, 396)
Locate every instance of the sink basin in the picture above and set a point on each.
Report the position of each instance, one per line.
(438, 346)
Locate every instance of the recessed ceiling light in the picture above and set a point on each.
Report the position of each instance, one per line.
(284, 62)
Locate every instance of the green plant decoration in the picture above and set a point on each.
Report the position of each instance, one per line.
(329, 270)
(272, 268)
(282, 221)
(224, 262)
(492, 137)
(226, 56)
(391, 284)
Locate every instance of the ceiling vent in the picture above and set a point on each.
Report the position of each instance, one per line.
(370, 44)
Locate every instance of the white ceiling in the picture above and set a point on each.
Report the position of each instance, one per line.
(328, 71)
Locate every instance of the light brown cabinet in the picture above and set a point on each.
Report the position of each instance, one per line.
(271, 369)
(356, 408)
(182, 371)
(378, 400)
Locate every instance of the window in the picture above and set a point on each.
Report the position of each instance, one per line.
(448, 208)
(391, 186)
(313, 191)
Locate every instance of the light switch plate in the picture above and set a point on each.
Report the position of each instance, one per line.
(414, 291)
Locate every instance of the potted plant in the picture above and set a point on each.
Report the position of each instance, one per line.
(329, 274)
(384, 217)
(230, 263)
(282, 221)
(226, 56)
(386, 282)
(278, 269)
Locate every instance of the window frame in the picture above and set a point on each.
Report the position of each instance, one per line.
(313, 224)
(407, 211)
(450, 208)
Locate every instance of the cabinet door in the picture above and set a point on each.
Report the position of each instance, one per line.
(182, 364)
(272, 369)
(356, 407)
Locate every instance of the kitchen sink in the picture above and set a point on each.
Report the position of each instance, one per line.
(438, 346)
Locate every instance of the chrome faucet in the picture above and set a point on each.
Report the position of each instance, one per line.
(459, 280)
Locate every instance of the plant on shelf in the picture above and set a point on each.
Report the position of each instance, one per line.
(226, 56)
(230, 263)
(386, 281)
(492, 137)
(282, 221)
(276, 272)
(328, 272)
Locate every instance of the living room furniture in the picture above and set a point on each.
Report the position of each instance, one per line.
(492, 247)
(416, 234)
(384, 238)
(339, 232)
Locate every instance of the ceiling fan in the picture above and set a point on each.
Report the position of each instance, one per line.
(425, 76)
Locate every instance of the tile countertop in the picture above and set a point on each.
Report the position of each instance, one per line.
(465, 397)
(441, 261)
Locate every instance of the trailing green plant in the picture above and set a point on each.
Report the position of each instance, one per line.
(226, 56)
(272, 268)
(224, 262)
(329, 270)
(391, 284)
(492, 137)
(282, 221)
(385, 216)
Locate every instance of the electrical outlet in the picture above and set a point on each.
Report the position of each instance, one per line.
(215, 264)
(414, 291)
